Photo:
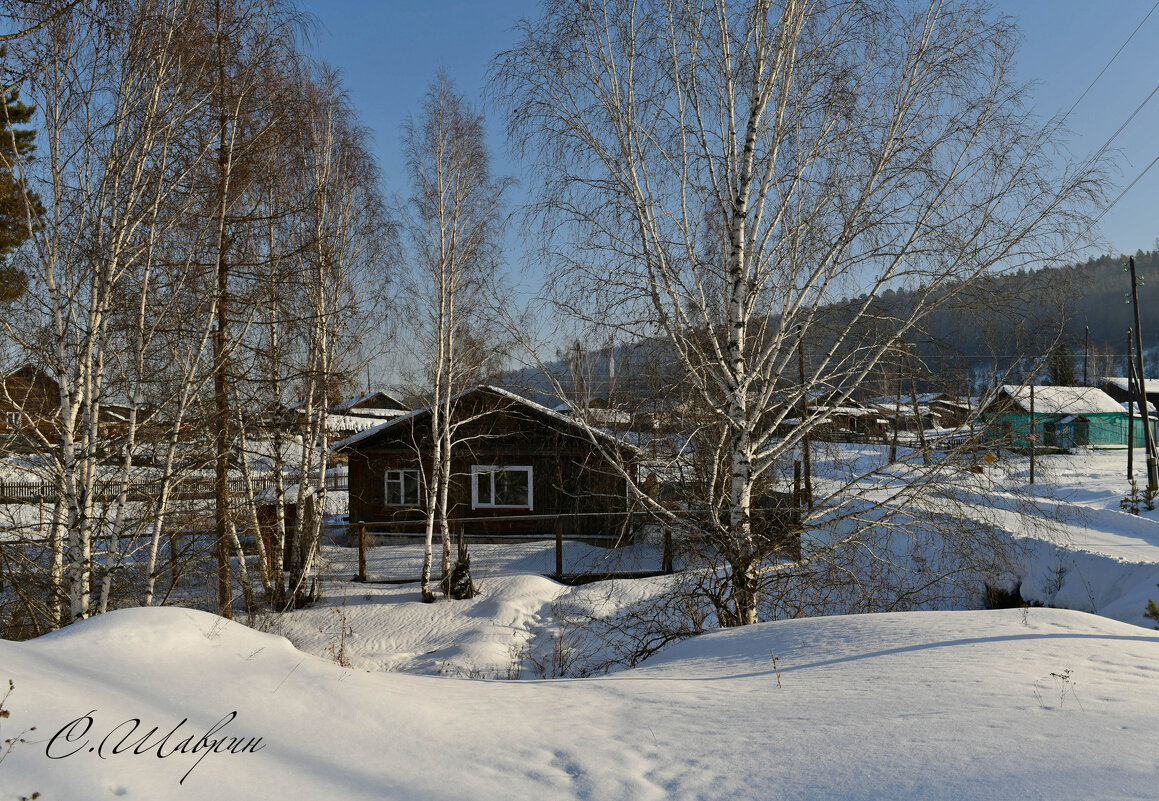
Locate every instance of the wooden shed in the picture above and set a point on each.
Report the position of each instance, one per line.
(518, 468)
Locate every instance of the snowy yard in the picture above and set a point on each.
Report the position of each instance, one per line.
(968, 705)
(372, 694)
(1091, 557)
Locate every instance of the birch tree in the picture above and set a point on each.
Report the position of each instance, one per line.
(203, 183)
(252, 52)
(346, 270)
(452, 231)
(728, 174)
(110, 81)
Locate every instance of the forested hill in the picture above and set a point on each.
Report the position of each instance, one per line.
(1101, 291)
(999, 324)
(1024, 313)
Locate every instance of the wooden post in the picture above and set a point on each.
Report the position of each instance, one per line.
(559, 545)
(796, 487)
(362, 551)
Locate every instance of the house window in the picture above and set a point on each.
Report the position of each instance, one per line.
(12, 420)
(506, 487)
(402, 487)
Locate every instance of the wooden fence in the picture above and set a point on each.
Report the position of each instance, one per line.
(185, 489)
(368, 534)
(907, 440)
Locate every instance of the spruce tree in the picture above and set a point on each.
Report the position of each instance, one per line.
(1152, 611)
(1062, 366)
(16, 201)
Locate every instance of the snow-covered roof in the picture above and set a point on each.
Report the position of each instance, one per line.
(966, 404)
(1133, 408)
(595, 414)
(923, 411)
(1150, 385)
(531, 405)
(380, 413)
(923, 398)
(336, 500)
(1063, 400)
(906, 408)
(851, 410)
(793, 422)
(350, 422)
(350, 403)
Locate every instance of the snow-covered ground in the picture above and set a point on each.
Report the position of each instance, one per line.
(170, 703)
(1082, 551)
(1078, 548)
(513, 623)
(373, 694)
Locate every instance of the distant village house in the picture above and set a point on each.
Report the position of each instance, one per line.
(1064, 417)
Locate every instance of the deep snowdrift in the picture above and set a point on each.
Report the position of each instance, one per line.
(1037, 704)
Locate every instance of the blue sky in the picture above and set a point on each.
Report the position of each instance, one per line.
(388, 52)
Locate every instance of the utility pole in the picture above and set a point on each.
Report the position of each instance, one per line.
(1130, 408)
(896, 415)
(1086, 355)
(1030, 439)
(805, 460)
(1148, 438)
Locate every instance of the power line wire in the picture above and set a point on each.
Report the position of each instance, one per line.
(1127, 122)
(1110, 140)
(1110, 206)
(1112, 61)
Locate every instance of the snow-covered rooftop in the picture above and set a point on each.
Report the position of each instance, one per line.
(350, 403)
(1150, 385)
(350, 422)
(922, 397)
(537, 408)
(850, 410)
(1133, 408)
(379, 413)
(595, 414)
(1063, 400)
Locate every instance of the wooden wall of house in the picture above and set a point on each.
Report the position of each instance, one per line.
(34, 395)
(569, 476)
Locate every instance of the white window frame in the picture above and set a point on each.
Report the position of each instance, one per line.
(479, 469)
(13, 420)
(401, 481)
